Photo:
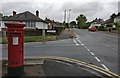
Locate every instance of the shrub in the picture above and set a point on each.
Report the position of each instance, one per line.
(102, 28)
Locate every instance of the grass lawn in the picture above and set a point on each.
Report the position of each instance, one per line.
(33, 39)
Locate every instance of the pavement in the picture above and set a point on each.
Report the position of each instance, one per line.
(65, 34)
(52, 66)
(97, 48)
(113, 32)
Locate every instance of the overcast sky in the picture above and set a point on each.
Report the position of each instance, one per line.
(54, 9)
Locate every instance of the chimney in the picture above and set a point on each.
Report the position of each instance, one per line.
(37, 13)
(14, 13)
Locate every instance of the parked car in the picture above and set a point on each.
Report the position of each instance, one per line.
(92, 28)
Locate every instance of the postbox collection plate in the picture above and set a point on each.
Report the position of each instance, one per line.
(15, 40)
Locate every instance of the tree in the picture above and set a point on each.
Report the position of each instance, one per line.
(116, 24)
(118, 14)
(81, 21)
(67, 25)
(113, 16)
(88, 24)
(72, 23)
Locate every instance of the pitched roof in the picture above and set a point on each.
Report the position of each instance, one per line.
(0, 16)
(98, 21)
(49, 21)
(25, 16)
(118, 17)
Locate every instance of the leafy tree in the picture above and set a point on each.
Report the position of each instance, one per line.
(73, 23)
(88, 24)
(117, 24)
(81, 21)
(64, 22)
(113, 16)
(67, 25)
(118, 14)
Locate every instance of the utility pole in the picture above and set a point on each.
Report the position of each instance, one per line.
(69, 18)
(65, 16)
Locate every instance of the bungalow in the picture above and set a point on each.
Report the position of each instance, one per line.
(0, 20)
(32, 21)
(51, 23)
(117, 19)
(97, 22)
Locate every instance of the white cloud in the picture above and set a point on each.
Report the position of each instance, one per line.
(61, 1)
(54, 8)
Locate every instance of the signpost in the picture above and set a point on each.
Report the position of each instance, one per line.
(43, 27)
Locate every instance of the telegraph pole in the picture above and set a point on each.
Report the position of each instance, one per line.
(65, 16)
(69, 18)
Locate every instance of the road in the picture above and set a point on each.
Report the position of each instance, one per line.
(96, 48)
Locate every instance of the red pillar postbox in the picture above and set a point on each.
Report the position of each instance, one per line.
(15, 48)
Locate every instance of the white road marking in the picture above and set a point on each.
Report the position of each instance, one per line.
(85, 46)
(104, 66)
(82, 44)
(92, 53)
(88, 49)
(77, 36)
(97, 59)
(75, 42)
(78, 40)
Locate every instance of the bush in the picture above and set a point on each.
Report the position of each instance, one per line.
(102, 28)
(116, 24)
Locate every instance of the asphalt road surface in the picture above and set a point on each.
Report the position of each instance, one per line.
(96, 48)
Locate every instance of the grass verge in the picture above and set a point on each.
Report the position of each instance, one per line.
(33, 39)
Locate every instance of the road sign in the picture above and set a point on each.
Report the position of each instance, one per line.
(51, 31)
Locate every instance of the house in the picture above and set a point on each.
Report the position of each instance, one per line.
(117, 19)
(32, 21)
(1, 20)
(51, 23)
(54, 26)
(97, 22)
(58, 24)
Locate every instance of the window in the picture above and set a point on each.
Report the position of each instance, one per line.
(30, 24)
